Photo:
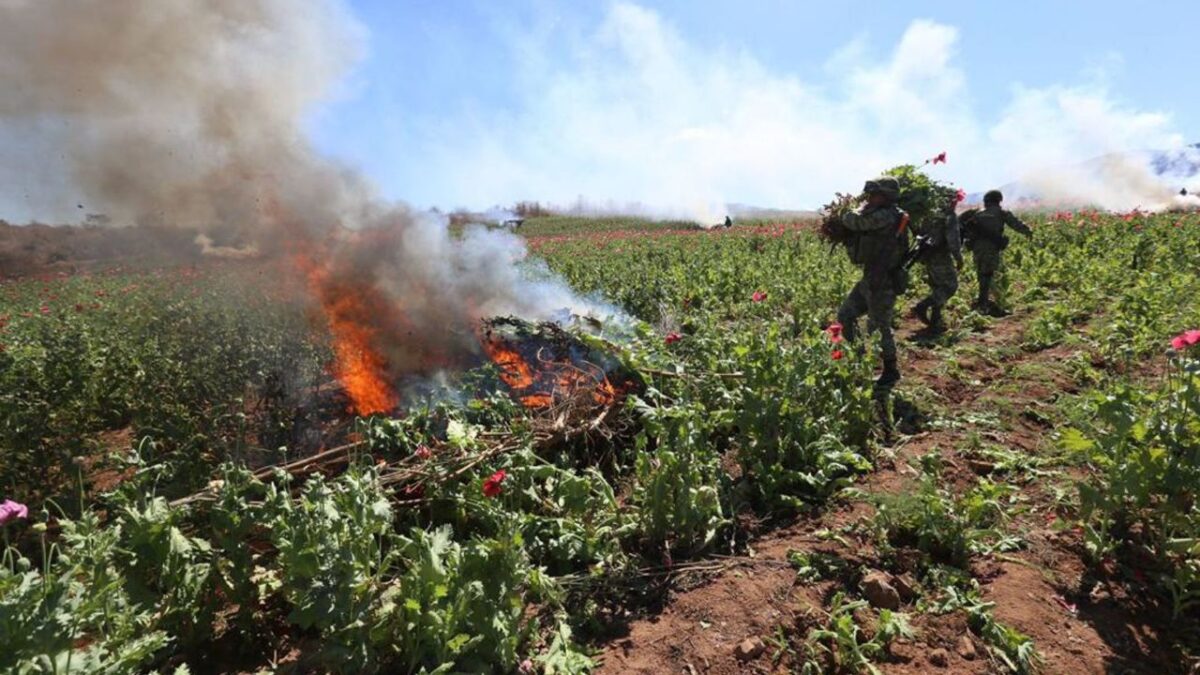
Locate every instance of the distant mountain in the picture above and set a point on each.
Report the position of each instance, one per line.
(1168, 170)
(750, 212)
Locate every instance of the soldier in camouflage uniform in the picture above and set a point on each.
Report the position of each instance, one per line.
(878, 246)
(942, 256)
(984, 230)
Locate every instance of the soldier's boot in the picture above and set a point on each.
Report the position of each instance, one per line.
(921, 311)
(935, 319)
(883, 415)
(890, 375)
(983, 304)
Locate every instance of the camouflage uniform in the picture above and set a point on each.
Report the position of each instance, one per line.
(941, 260)
(985, 229)
(878, 249)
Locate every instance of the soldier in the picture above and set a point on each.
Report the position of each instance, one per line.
(984, 231)
(942, 256)
(880, 238)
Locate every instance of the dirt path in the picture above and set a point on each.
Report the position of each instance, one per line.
(984, 392)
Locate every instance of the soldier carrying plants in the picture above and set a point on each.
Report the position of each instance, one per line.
(876, 238)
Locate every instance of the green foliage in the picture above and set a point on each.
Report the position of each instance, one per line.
(1009, 646)
(81, 593)
(676, 469)
(169, 379)
(802, 419)
(456, 607)
(949, 529)
(922, 197)
(1145, 449)
(842, 646)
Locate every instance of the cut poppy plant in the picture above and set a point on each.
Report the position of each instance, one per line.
(491, 486)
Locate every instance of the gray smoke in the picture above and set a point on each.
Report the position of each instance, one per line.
(190, 113)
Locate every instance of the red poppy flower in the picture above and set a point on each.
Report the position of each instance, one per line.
(423, 452)
(491, 486)
(940, 159)
(1178, 343)
(837, 355)
(672, 338)
(835, 331)
(1191, 337)
(758, 296)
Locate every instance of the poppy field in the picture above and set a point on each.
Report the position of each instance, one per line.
(167, 505)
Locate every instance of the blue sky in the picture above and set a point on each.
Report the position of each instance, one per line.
(459, 103)
(668, 107)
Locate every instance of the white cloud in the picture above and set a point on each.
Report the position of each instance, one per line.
(636, 113)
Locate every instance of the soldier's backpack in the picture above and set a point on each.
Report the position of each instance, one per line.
(977, 224)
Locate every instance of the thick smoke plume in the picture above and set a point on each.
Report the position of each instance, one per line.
(190, 113)
(1115, 182)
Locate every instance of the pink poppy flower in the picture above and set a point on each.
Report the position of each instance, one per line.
(960, 196)
(672, 338)
(940, 159)
(758, 296)
(10, 510)
(423, 452)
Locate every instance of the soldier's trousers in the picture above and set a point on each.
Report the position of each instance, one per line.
(878, 304)
(942, 278)
(987, 263)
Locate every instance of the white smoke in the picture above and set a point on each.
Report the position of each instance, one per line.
(635, 111)
(190, 113)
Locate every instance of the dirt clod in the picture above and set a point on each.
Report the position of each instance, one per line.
(939, 658)
(966, 648)
(878, 589)
(750, 648)
(906, 586)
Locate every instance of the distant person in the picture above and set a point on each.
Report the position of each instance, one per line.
(984, 231)
(728, 222)
(880, 239)
(941, 254)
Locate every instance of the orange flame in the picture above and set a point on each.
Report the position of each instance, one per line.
(361, 369)
(548, 382)
(351, 309)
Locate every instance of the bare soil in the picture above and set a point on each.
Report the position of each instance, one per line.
(1081, 619)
